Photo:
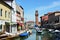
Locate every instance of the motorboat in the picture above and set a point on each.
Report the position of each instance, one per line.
(39, 30)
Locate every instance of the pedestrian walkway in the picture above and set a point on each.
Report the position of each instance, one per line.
(11, 35)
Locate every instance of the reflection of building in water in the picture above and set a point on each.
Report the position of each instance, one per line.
(38, 36)
(46, 36)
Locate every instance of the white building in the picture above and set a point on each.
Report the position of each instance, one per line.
(13, 27)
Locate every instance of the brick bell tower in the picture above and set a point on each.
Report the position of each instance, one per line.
(36, 17)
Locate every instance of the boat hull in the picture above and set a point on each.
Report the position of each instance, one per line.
(24, 34)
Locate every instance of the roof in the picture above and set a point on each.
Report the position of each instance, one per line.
(43, 16)
(30, 22)
(54, 12)
(7, 0)
(1, 1)
(50, 13)
(21, 7)
(57, 12)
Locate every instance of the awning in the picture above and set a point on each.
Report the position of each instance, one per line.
(20, 24)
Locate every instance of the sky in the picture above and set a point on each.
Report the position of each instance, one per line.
(43, 7)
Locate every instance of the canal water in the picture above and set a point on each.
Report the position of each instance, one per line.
(46, 35)
(33, 36)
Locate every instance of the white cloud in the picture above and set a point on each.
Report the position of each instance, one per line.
(41, 9)
(52, 5)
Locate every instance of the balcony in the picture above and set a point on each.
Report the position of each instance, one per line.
(18, 15)
(22, 19)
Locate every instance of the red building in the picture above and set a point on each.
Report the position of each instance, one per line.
(44, 19)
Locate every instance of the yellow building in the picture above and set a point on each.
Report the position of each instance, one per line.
(5, 16)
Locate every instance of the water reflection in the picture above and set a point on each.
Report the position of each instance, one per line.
(34, 36)
(23, 38)
(30, 37)
(38, 36)
(45, 35)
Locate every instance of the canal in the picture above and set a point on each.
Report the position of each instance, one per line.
(45, 35)
(33, 36)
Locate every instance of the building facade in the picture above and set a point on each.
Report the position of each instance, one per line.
(29, 24)
(54, 19)
(5, 16)
(13, 26)
(17, 16)
(20, 16)
(51, 20)
(45, 19)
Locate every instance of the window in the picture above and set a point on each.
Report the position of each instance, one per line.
(5, 13)
(9, 15)
(57, 19)
(0, 27)
(7, 26)
(0, 12)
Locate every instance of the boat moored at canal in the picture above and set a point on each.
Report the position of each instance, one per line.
(39, 30)
(24, 34)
